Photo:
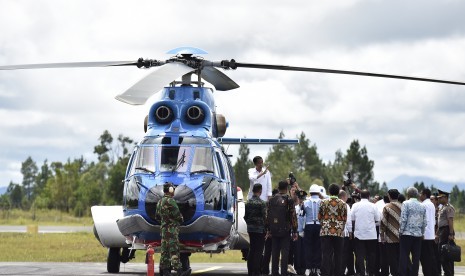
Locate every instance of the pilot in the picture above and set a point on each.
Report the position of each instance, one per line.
(170, 218)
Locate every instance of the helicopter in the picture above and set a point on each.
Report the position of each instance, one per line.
(182, 144)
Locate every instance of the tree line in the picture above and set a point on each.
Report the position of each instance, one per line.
(76, 185)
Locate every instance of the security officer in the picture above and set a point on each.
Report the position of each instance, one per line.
(445, 230)
(170, 218)
(255, 216)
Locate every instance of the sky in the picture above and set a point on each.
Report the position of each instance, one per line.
(408, 127)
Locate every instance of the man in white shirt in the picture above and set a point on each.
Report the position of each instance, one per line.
(365, 215)
(261, 175)
(427, 255)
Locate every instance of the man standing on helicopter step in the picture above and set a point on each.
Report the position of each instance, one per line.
(170, 218)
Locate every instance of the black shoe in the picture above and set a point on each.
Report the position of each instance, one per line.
(185, 272)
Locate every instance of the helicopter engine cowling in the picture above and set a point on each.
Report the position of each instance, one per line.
(164, 115)
(221, 125)
(195, 115)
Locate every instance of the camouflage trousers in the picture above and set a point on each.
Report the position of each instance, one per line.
(170, 248)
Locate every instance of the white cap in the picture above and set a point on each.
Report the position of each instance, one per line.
(315, 188)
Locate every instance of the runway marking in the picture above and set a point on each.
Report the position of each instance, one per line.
(206, 269)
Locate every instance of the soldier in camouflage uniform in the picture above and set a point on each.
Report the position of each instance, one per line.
(170, 218)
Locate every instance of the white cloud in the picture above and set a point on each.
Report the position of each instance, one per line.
(407, 127)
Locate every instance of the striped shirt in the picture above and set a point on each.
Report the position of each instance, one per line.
(390, 223)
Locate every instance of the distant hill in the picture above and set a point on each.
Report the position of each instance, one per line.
(404, 181)
(3, 190)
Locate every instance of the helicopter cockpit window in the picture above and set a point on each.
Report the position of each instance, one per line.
(173, 158)
(203, 160)
(145, 159)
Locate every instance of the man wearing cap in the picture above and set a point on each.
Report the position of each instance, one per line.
(445, 231)
(170, 218)
(312, 231)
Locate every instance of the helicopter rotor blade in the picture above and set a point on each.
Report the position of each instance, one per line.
(68, 65)
(221, 81)
(153, 82)
(233, 65)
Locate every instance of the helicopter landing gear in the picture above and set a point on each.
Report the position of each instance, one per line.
(113, 259)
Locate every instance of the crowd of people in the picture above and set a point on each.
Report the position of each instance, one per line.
(347, 232)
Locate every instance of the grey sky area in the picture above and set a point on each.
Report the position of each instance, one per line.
(408, 127)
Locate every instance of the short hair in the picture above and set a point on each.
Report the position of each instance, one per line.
(401, 198)
(412, 192)
(256, 158)
(426, 192)
(274, 192)
(365, 193)
(394, 194)
(334, 189)
(257, 187)
(282, 185)
(386, 199)
(342, 194)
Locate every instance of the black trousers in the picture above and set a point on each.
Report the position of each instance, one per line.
(447, 265)
(280, 246)
(298, 260)
(331, 262)
(257, 242)
(383, 260)
(348, 256)
(312, 245)
(365, 250)
(265, 264)
(409, 245)
(392, 252)
(428, 258)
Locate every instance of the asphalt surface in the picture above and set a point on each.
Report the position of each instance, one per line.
(101, 269)
(128, 269)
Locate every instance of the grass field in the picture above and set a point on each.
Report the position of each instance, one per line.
(42, 217)
(78, 247)
(83, 247)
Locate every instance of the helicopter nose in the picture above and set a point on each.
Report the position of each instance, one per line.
(183, 195)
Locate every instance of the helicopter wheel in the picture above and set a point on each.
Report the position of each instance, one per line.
(114, 259)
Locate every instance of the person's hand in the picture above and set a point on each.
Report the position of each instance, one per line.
(294, 236)
(451, 237)
(301, 234)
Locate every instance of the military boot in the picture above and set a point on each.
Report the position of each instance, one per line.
(184, 273)
(165, 272)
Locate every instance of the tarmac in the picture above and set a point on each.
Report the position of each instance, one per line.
(65, 269)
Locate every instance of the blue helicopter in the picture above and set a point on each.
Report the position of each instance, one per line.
(182, 145)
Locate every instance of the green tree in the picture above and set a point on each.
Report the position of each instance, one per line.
(361, 166)
(29, 171)
(307, 164)
(333, 172)
(242, 166)
(104, 147)
(280, 161)
(41, 179)
(15, 192)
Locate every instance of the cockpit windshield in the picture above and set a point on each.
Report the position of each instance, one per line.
(173, 158)
(184, 158)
